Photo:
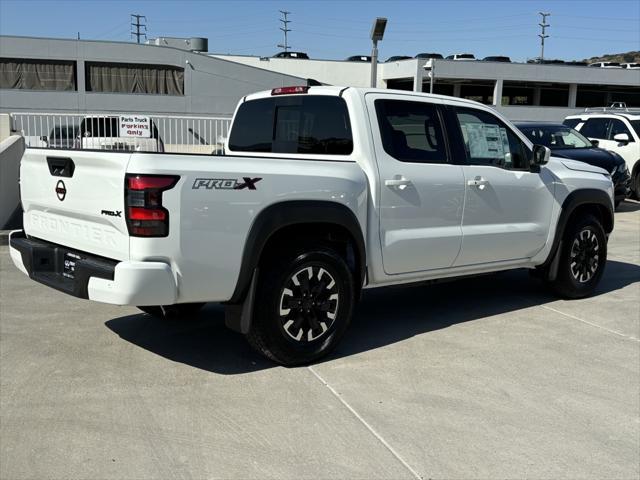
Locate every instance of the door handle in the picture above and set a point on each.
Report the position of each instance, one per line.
(399, 183)
(478, 182)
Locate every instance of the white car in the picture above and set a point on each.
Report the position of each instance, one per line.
(616, 129)
(631, 66)
(323, 191)
(461, 57)
(606, 65)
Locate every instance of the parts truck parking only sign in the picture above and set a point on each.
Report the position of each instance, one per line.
(135, 126)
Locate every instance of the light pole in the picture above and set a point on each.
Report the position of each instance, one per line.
(377, 32)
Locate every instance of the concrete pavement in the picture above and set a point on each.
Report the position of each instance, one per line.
(480, 378)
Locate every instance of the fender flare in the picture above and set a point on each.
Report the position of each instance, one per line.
(577, 198)
(287, 213)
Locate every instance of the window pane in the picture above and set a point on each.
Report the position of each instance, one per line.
(24, 74)
(411, 131)
(134, 78)
(311, 124)
(253, 127)
(618, 126)
(489, 142)
(595, 128)
(572, 122)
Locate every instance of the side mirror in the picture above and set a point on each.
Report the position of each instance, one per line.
(621, 138)
(541, 155)
(595, 143)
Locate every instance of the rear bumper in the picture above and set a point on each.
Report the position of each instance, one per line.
(94, 278)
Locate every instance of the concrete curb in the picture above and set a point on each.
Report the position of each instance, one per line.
(4, 237)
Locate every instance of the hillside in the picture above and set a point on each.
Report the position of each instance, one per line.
(616, 57)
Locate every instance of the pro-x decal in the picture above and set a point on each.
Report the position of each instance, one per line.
(226, 183)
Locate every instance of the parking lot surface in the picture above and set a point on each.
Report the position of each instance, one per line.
(481, 378)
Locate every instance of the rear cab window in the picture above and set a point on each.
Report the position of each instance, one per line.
(304, 124)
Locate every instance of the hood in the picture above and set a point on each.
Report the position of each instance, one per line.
(597, 157)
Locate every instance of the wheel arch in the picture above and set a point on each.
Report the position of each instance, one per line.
(593, 201)
(307, 215)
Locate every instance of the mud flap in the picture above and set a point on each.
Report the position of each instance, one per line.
(237, 317)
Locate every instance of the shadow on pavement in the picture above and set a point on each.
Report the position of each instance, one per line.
(383, 317)
(628, 206)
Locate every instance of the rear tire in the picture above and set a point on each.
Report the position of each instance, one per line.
(304, 304)
(583, 258)
(180, 311)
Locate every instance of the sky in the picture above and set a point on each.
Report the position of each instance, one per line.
(337, 29)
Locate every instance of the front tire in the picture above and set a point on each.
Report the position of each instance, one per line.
(304, 304)
(583, 258)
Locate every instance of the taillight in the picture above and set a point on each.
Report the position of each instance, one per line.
(146, 217)
(289, 90)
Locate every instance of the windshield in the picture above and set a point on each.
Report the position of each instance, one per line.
(556, 137)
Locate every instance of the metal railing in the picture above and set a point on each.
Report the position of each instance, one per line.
(123, 132)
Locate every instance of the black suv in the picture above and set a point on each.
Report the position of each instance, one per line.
(299, 55)
(565, 142)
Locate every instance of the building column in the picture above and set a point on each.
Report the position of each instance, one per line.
(497, 93)
(417, 79)
(573, 95)
(456, 89)
(536, 96)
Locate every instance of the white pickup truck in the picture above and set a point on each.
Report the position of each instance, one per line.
(323, 191)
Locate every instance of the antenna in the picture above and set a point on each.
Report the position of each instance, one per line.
(285, 28)
(542, 35)
(138, 24)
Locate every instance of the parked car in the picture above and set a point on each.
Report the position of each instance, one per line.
(547, 61)
(606, 65)
(359, 58)
(323, 191)
(298, 55)
(630, 66)
(616, 129)
(397, 58)
(565, 142)
(575, 63)
(461, 56)
(62, 137)
(435, 56)
(497, 58)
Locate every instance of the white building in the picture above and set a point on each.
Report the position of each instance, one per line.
(522, 91)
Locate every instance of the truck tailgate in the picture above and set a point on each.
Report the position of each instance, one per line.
(76, 199)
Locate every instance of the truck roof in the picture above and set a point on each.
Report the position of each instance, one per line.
(337, 91)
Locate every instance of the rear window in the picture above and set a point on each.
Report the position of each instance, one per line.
(311, 124)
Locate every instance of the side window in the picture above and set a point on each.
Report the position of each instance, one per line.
(411, 131)
(618, 126)
(488, 141)
(595, 128)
